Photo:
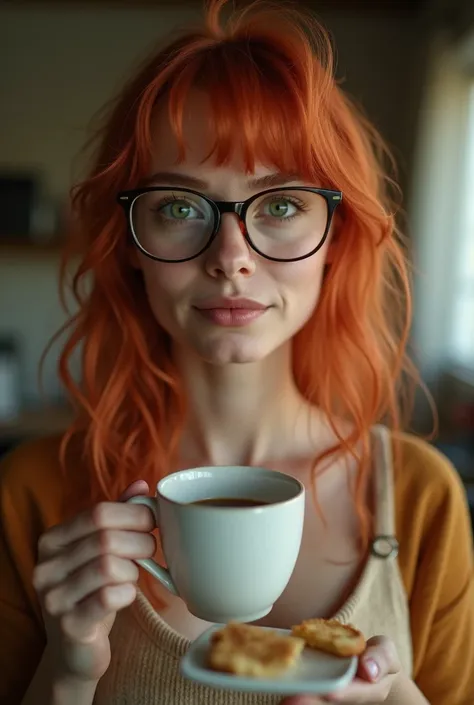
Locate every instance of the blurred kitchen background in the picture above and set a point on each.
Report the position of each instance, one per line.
(410, 63)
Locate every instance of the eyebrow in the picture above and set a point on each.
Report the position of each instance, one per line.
(175, 179)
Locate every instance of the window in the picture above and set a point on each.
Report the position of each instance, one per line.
(462, 337)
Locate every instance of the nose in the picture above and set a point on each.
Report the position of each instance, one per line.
(230, 254)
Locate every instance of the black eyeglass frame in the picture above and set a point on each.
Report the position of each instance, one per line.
(127, 198)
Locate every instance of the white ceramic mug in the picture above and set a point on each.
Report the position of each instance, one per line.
(227, 562)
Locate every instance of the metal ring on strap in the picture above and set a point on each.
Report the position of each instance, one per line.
(385, 546)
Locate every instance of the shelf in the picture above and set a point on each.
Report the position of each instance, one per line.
(10, 247)
(40, 421)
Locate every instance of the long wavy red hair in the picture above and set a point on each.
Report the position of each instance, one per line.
(270, 76)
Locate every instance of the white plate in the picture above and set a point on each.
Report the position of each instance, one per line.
(314, 673)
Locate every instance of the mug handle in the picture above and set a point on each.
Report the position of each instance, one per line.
(157, 570)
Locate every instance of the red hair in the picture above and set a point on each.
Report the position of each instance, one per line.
(269, 74)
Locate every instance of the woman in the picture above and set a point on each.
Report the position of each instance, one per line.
(269, 333)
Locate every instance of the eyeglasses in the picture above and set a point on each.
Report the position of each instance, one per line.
(281, 224)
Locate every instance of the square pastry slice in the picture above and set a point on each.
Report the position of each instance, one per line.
(246, 650)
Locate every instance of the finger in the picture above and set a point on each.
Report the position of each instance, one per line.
(105, 570)
(136, 488)
(123, 544)
(362, 693)
(104, 516)
(380, 659)
(83, 622)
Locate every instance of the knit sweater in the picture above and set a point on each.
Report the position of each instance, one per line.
(423, 598)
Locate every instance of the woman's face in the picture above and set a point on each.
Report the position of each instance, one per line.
(229, 269)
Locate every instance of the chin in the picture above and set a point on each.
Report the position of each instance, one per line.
(228, 352)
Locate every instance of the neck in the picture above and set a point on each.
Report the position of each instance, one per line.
(238, 414)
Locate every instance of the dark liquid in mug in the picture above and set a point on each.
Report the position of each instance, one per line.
(231, 502)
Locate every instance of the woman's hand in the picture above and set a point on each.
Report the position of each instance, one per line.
(85, 574)
(379, 666)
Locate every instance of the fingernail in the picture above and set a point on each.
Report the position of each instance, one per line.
(372, 669)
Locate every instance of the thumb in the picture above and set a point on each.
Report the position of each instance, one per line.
(380, 659)
(136, 488)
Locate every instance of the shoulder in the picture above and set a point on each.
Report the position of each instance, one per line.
(431, 507)
(423, 472)
(31, 479)
(32, 463)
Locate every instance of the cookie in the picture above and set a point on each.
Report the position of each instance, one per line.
(330, 636)
(246, 650)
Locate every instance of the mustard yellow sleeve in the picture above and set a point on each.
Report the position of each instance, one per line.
(27, 503)
(441, 592)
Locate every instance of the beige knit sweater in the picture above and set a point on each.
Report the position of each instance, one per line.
(146, 651)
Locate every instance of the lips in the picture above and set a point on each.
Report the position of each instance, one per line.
(229, 312)
(229, 303)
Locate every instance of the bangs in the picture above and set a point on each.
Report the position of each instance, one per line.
(262, 106)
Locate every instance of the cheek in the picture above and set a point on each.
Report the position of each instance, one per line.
(166, 286)
(301, 284)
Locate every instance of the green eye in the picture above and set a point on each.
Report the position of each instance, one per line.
(279, 209)
(180, 210)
